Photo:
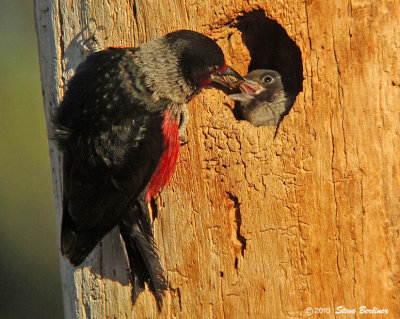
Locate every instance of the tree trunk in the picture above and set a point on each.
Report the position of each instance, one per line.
(253, 226)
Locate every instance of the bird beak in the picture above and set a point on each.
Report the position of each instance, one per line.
(251, 87)
(228, 77)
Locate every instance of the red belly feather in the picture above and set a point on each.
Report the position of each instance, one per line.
(166, 165)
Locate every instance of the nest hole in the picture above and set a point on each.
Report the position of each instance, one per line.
(269, 47)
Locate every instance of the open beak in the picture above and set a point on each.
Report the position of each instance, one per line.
(228, 77)
(251, 87)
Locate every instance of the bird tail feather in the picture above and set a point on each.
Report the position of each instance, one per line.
(137, 233)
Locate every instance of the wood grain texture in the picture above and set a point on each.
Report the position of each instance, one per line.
(251, 226)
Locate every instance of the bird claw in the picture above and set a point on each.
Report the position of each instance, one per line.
(183, 140)
(94, 41)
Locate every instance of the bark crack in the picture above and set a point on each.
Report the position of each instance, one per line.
(238, 221)
(340, 95)
(311, 64)
(61, 43)
(335, 201)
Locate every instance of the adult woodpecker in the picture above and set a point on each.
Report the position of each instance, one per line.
(119, 127)
(263, 100)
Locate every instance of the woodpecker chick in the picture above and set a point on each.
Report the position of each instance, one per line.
(263, 100)
(118, 127)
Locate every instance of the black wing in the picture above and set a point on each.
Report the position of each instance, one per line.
(109, 130)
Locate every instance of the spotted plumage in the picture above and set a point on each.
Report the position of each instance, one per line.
(118, 127)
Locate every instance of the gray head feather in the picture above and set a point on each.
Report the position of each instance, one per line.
(160, 65)
(267, 105)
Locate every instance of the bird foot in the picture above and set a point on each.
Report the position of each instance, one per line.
(94, 41)
(183, 140)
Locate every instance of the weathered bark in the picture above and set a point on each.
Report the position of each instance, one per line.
(251, 226)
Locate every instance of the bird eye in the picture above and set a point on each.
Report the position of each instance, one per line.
(267, 79)
(213, 69)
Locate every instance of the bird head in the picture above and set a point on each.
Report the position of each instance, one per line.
(180, 64)
(261, 85)
(262, 81)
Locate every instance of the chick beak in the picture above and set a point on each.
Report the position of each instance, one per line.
(251, 87)
(228, 77)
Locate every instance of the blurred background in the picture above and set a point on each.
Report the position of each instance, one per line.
(29, 270)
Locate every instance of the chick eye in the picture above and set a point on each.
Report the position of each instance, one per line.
(267, 79)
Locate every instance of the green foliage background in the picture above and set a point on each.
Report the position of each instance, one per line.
(29, 270)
